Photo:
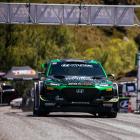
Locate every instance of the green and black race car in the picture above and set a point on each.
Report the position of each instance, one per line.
(75, 86)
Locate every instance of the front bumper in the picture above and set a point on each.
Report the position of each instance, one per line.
(71, 99)
(64, 106)
(78, 108)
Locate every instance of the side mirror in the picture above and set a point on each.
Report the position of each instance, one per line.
(42, 66)
(111, 76)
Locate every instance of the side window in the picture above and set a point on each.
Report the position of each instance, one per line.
(120, 89)
(46, 68)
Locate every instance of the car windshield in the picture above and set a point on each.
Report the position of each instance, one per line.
(76, 69)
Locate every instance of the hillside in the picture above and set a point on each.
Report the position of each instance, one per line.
(31, 45)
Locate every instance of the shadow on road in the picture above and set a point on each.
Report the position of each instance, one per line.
(65, 116)
(4, 105)
(19, 113)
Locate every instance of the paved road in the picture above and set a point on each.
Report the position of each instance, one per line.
(16, 125)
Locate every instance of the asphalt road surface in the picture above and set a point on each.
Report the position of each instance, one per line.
(18, 125)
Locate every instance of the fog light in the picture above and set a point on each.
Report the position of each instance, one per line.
(109, 89)
(50, 88)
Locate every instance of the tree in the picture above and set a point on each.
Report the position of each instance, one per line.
(117, 57)
(111, 2)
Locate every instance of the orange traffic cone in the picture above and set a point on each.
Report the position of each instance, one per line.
(129, 107)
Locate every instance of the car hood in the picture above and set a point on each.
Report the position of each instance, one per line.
(78, 80)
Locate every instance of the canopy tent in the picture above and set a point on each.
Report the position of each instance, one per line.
(21, 73)
(2, 74)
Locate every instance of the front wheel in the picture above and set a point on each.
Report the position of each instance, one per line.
(37, 107)
(40, 112)
(108, 115)
(112, 115)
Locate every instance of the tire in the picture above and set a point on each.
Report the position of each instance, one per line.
(112, 115)
(94, 114)
(37, 107)
(40, 113)
(101, 115)
(12, 106)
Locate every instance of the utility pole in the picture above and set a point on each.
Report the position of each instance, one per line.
(138, 81)
(0, 95)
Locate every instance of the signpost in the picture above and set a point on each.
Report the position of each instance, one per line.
(68, 14)
(138, 82)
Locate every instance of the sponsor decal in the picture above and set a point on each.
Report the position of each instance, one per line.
(79, 84)
(79, 78)
(54, 63)
(23, 72)
(77, 65)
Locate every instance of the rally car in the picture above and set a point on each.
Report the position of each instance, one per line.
(75, 86)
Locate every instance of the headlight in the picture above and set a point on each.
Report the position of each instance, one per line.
(54, 84)
(104, 85)
(109, 89)
(50, 88)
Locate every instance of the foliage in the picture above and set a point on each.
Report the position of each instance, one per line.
(118, 57)
(33, 45)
